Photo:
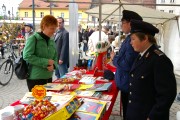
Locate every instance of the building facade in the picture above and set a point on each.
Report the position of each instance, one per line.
(144, 3)
(56, 9)
(169, 9)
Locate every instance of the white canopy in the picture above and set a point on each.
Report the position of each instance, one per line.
(111, 12)
(168, 24)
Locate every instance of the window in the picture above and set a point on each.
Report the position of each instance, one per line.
(41, 14)
(162, 10)
(171, 1)
(170, 11)
(162, 1)
(26, 14)
(79, 15)
(62, 15)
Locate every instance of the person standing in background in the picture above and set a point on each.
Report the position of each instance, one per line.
(80, 33)
(2, 49)
(28, 30)
(125, 58)
(40, 52)
(152, 81)
(62, 45)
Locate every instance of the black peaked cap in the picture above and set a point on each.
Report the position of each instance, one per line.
(144, 27)
(128, 15)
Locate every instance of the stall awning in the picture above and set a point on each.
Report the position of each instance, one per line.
(111, 12)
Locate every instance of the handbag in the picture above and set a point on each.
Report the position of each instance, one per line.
(21, 67)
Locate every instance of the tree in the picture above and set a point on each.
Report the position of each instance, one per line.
(10, 31)
(1, 17)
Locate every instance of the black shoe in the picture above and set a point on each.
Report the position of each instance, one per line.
(3, 57)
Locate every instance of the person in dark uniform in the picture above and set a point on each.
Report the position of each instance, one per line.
(152, 81)
(125, 58)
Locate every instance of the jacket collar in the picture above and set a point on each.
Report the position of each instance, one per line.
(139, 60)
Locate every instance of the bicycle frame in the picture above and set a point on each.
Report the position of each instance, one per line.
(8, 68)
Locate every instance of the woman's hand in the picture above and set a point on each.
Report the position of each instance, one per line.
(60, 62)
(50, 68)
(50, 62)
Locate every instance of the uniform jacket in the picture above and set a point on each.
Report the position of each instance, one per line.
(62, 45)
(37, 55)
(152, 87)
(123, 62)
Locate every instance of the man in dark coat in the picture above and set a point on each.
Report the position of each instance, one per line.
(152, 83)
(62, 44)
(124, 60)
(80, 33)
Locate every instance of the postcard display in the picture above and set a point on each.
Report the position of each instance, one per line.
(94, 103)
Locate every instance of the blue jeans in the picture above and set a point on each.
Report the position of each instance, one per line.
(62, 70)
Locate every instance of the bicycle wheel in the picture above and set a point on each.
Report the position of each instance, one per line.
(6, 72)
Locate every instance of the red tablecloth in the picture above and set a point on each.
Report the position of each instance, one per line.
(114, 92)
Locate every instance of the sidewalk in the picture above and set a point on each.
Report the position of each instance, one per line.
(16, 89)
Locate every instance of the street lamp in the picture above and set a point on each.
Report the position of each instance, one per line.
(50, 5)
(9, 14)
(4, 10)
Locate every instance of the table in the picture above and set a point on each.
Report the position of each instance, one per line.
(113, 91)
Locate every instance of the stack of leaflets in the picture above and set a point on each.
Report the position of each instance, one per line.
(87, 80)
(59, 87)
(80, 93)
(86, 116)
(93, 108)
(108, 103)
(85, 86)
(71, 87)
(87, 94)
(101, 87)
(106, 97)
(54, 86)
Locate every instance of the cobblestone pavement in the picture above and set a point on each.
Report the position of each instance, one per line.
(16, 89)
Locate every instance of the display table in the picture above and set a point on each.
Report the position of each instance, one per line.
(113, 91)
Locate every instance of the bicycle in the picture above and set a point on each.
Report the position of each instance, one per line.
(7, 67)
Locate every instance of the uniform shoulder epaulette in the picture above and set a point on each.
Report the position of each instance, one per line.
(158, 52)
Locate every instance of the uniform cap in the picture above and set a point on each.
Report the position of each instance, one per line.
(128, 15)
(144, 27)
